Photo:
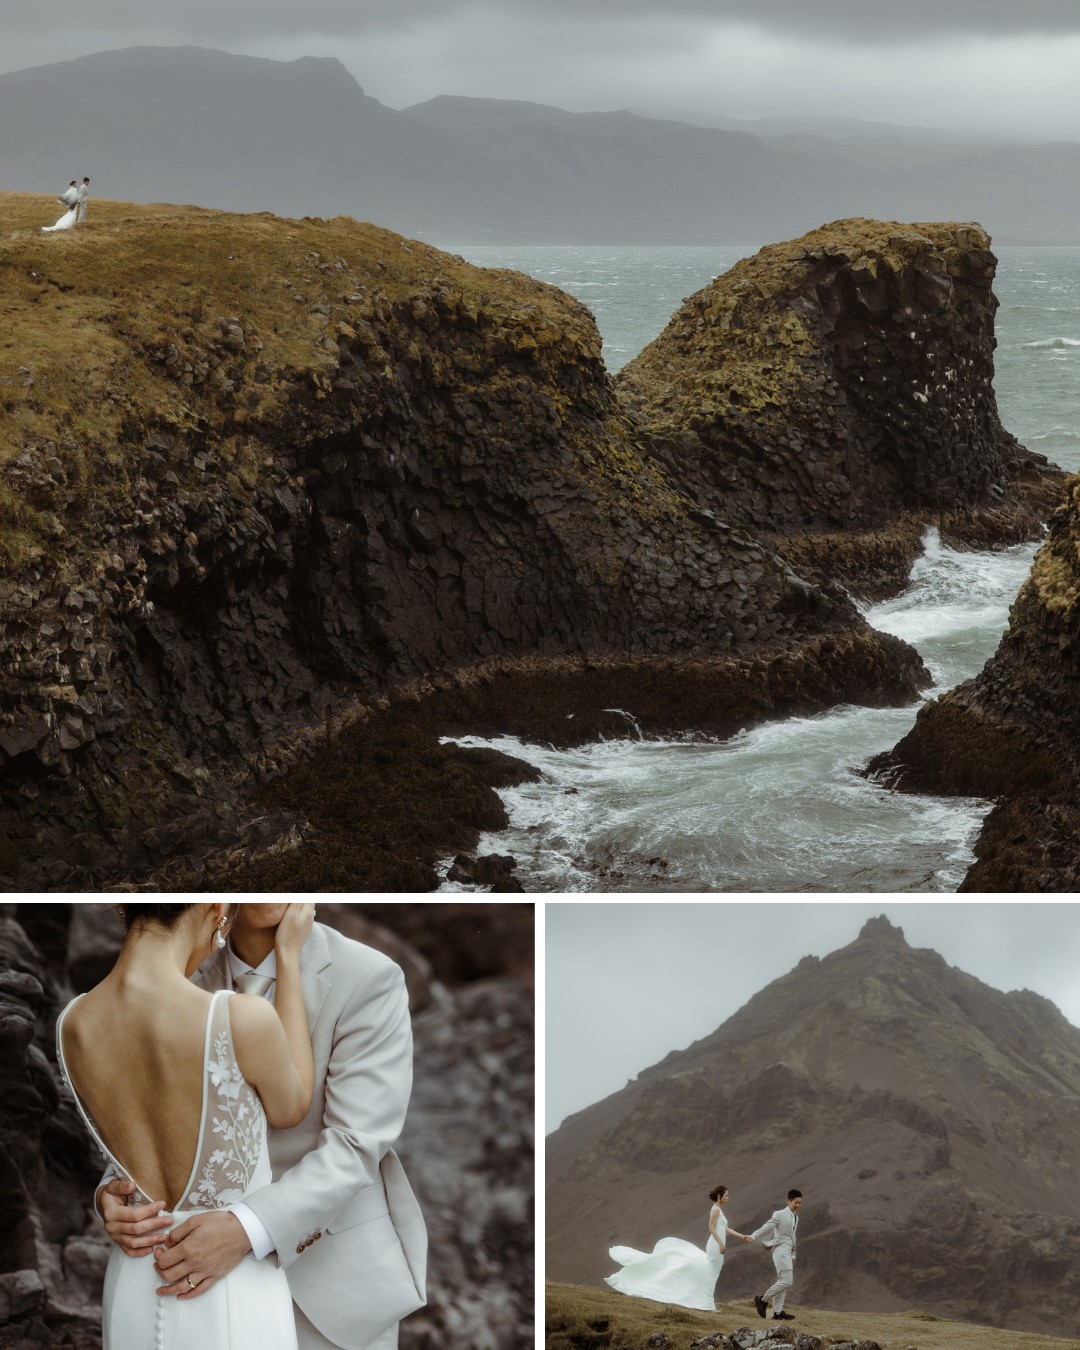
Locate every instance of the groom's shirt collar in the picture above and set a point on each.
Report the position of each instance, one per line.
(238, 967)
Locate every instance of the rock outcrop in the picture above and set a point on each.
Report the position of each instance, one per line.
(836, 393)
(260, 470)
(912, 1105)
(467, 1143)
(1013, 732)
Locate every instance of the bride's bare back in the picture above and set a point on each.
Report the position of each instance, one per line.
(135, 1056)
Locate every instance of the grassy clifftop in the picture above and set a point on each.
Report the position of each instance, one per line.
(181, 319)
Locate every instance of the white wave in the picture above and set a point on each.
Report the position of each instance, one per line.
(1055, 343)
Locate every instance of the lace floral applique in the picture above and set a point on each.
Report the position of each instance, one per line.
(237, 1117)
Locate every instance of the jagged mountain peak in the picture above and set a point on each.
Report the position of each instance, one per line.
(881, 930)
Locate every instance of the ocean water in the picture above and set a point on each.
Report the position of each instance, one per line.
(782, 808)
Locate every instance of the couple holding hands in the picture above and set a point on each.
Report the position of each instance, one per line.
(676, 1271)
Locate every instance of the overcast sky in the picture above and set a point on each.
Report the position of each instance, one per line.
(626, 983)
(1006, 67)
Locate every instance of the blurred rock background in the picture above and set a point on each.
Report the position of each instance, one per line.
(467, 1143)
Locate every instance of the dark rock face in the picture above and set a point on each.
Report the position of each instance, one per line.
(842, 383)
(1013, 732)
(467, 1144)
(441, 486)
(912, 1105)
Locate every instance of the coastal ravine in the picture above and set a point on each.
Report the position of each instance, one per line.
(778, 808)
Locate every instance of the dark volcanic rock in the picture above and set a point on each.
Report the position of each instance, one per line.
(841, 384)
(915, 1108)
(1013, 732)
(338, 464)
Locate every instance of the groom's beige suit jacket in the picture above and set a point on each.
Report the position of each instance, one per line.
(345, 1224)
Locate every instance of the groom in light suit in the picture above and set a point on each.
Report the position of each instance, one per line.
(779, 1235)
(339, 1216)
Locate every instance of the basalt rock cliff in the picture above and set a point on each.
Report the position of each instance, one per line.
(272, 490)
(836, 393)
(467, 1142)
(258, 468)
(929, 1120)
(1013, 732)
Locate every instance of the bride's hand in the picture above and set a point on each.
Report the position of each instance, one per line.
(293, 930)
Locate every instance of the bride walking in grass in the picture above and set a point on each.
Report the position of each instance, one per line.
(70, 199)
(676, 1271)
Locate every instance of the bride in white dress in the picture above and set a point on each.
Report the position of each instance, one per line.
(176, 1086)
(676, 1271)
(71, 199)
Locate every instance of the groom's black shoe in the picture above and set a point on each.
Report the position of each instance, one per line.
(760, 1305)
(783, 1317)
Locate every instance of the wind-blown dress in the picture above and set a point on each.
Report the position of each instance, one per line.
(675, 1271)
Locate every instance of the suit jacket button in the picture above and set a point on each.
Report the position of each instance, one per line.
(300, 1250)
(317, 1236)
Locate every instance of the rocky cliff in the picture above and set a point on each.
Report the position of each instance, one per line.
(1013, 732)
(836, 393)
(260, 471)
(929, 1120)
(473, 1063)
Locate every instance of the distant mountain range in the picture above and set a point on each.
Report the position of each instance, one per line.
(185, 124)
(932, 1123)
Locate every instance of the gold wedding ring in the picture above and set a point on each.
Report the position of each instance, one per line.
(190, 1285)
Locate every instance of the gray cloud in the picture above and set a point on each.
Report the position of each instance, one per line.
(851, 20)
(995, 67)
(627, 983)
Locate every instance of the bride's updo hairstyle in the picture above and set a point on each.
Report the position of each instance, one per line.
(168, 916)
(716, 1193)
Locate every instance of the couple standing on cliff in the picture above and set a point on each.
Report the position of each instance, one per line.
(676, 1271)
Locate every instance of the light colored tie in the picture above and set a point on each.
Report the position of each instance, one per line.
(250, 983)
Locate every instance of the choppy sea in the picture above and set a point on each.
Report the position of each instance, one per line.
(781, 808)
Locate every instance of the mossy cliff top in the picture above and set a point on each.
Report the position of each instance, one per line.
(836, 381)
(217, 327)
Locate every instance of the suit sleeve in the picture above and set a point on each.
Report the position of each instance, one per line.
(768, 1228)
(368, 1083)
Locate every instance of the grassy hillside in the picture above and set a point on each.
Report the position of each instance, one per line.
(580, 1318)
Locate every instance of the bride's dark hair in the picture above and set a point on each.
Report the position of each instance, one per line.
(166, 915)
(716, 1193)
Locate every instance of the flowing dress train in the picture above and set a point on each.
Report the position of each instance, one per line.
(64, 223)
(675, 1271)
(251, 1308)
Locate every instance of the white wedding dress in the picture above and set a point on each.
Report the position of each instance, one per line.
(251, 1308)
(675, 1271)
(64, 223)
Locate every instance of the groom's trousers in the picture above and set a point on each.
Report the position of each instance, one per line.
(785, 1277)
(310, 1337)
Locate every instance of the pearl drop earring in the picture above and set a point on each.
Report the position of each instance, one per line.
(219, 936)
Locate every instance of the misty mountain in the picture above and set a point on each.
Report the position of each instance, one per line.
(301, 137)
(930, 1121)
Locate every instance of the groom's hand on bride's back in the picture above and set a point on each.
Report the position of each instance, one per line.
(134, 1228)
(204, 1248)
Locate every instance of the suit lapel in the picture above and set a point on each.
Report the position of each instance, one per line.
(314, 974)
